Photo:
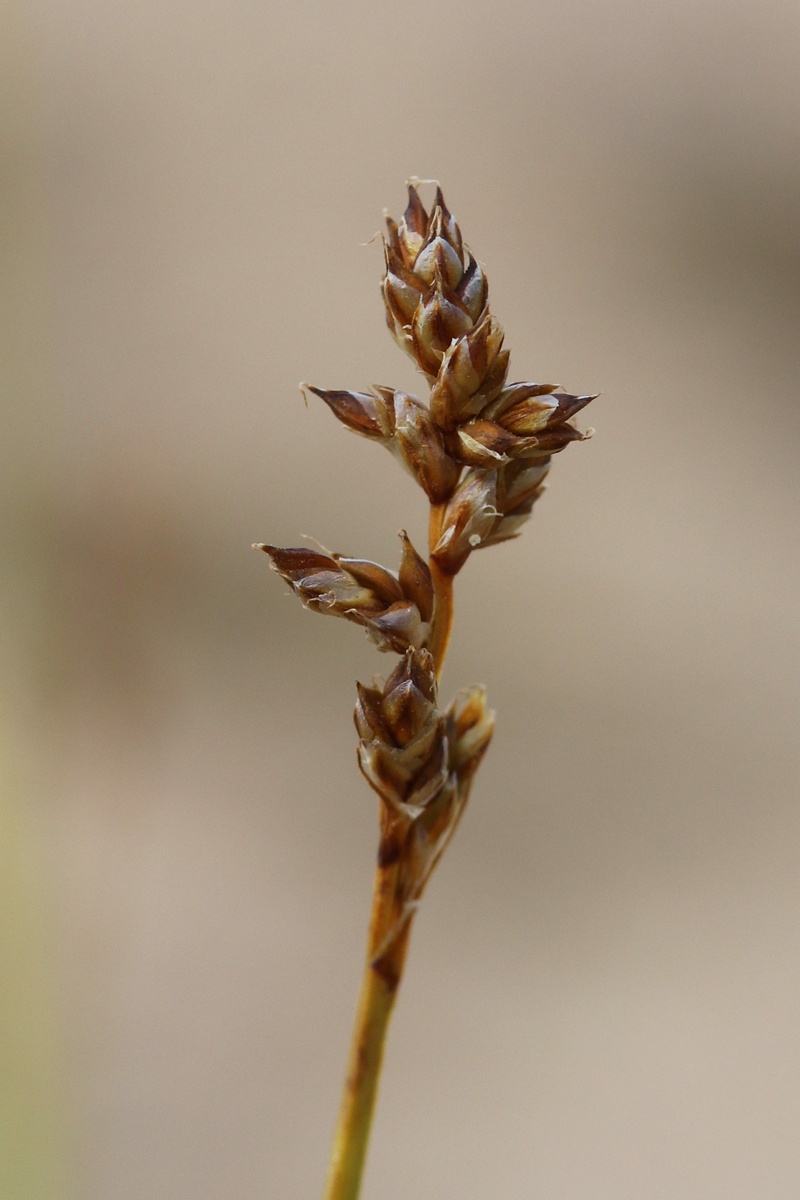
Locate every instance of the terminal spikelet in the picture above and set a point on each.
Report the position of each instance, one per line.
(500, 436)
(434, 289)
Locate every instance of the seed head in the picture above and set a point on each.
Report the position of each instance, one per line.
(437, 308)
(472, 371)
(434, 290)
(404, 425)
(481, 451)
(469, 519)
(519, 485)
(527, 420)
(470, 726)
(395, 609)
(402, 750)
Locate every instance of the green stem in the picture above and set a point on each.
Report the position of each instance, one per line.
(382, 973)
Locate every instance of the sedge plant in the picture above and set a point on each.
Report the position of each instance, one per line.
(480, 450)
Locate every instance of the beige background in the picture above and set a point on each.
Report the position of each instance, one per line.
(603, 996)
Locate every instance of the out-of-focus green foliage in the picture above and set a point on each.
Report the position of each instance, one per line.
(31, 1126)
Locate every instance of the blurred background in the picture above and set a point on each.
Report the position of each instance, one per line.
(603, 995)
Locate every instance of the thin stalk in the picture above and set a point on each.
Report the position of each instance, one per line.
(443, 592)
(382, 973)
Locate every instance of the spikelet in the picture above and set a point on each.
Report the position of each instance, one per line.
(421, 762)
(434, 289)
(404, 425)
(395, 609)
(436, 299)
(402, 750)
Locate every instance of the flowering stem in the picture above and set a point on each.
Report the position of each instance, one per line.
(480, 450)
(381, 980)
(443, 592)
